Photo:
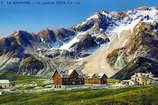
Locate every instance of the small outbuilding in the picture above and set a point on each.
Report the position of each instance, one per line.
(129, 82)
(4, 84)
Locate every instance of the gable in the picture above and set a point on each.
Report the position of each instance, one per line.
(104, 76)
(56, 74)
(74, 74)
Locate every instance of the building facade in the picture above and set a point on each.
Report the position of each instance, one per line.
(71, 77)
(96, 79)
(142, 78)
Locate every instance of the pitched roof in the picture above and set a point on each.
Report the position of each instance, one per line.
(142, 75)
(96, 75)
(67, 73)
(4, 81)
(80, 73)
(63, 73)
(89, 75)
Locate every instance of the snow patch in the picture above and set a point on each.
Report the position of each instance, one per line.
(129, 22)
(66, 46)
(95, 16)
(123, 27)
(124, 43)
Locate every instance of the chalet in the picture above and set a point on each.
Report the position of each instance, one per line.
(4, 84)
(142, 78)
(68, 77)
(96, 79)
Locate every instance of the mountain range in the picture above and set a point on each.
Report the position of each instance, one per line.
(117, 44)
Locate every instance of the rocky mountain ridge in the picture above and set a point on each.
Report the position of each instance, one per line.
(110, 38)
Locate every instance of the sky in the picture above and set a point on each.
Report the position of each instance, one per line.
(31, 16)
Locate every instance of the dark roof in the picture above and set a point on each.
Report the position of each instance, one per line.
(67, 73)
(96, 75)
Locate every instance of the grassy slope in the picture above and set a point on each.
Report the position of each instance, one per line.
(20, 79)
(127, 96)
(113, 81)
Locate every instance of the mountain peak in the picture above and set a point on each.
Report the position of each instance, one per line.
(89, 36)
(98, 15)
(44, 31)
(144, 8)
(19, 32)
(103, 12)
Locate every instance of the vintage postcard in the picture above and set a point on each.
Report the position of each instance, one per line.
(78, 52)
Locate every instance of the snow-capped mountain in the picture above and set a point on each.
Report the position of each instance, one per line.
(94, 39)
(100, 27)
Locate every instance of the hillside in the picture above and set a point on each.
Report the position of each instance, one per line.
(137, 65)
(126, 96)
(139, 53)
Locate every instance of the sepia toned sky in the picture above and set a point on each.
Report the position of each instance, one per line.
(35, 15)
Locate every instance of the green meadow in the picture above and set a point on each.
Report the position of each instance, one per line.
(145, 95)
(21, 79)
